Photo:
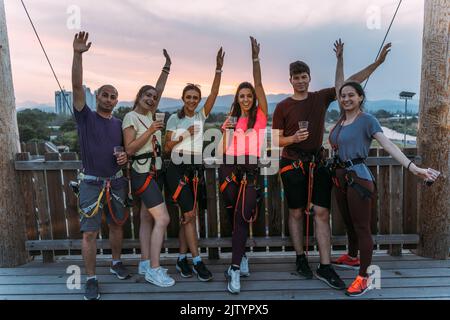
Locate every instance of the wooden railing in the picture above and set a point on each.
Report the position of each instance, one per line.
(53, 221)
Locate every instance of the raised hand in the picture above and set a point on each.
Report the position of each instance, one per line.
(384, 53)
(220, 58)
(80, 43)
(168, 60)
(339, 48)
(255, 48)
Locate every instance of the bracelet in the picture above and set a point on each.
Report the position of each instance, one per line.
(256, 60)
(409, 165)
(166, 70)
(219, 71)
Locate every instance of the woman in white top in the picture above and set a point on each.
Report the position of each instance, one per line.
(142, 137)
(184, 178)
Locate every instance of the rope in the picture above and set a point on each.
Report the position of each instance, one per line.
(385, 36)
(46, 56)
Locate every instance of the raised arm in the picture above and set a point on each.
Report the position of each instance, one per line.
(161, 84)
(339, 80)
(398, 155)
(260, 94)
(216, 84)
(80, 45)
(366, 72)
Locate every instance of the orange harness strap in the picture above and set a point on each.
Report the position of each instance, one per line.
(180, 187)
(108, 201)
(145, 185)
(227, 181)
(293, 166)
(242, 192)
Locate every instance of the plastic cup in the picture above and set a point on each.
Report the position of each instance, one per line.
(118, 150)
(232, 121)
(303, 125)
(160, 117)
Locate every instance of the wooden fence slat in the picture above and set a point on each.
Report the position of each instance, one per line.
(211, 194)
(396, 219)
(32, 148)
(274, 206)
(72, 214)
(384, 196)
(27, 190)
(410, 186)
(43, 211)
(374, 224)
(56, 202)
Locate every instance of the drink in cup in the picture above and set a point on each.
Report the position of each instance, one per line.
(303, 125)
(118, 150)
(232, 121)
(160, 117)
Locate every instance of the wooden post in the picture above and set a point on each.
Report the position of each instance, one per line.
(434, 130)
(12, 210)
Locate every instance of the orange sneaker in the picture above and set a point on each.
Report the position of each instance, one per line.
(345, 261)
(358, 287)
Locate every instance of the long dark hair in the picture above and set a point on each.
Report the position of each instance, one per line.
(359, 90)
(236, 109)
(141, 93)
(181, 113)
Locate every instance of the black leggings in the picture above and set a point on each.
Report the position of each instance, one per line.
(356, 213)
(230, 196)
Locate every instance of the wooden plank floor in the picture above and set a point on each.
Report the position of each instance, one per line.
(273, 278)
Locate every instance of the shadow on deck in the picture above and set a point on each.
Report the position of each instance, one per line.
(272, 277)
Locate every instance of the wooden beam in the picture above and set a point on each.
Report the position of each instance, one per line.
(216, 242)
(41, 164)
(12, 211)
(434, 130)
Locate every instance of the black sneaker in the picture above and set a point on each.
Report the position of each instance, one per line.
(203, 274)
(91, 290)
(303, 268)
(183, 268)
(330, 277)
(120, 271)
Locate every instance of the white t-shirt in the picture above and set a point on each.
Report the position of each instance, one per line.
(192, 144)
(141, 123)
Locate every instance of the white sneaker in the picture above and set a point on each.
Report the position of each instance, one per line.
(234, 280)
(159, 277)
(245, 271)
(144, 266)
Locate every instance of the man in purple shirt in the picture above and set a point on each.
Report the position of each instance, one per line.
(102, 186)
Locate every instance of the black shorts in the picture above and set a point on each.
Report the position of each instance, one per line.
(152, 196)
(296, 186)
(185, 201)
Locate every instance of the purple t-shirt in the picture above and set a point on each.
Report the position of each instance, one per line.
(98, 137)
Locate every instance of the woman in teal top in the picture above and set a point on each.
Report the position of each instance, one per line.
(355, 186)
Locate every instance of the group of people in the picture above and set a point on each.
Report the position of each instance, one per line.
(109, 145)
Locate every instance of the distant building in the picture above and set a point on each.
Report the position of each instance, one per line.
(64, 100)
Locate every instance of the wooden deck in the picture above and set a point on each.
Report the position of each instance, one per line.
(272, 278)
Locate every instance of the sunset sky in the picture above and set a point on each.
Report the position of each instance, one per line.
(128, 37)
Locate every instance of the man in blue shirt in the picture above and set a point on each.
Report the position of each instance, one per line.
(102, 186)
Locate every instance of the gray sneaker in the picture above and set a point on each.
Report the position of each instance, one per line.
(234, 280)
(159, 277)
(120, 271)
(91, 290)
(245, 271)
